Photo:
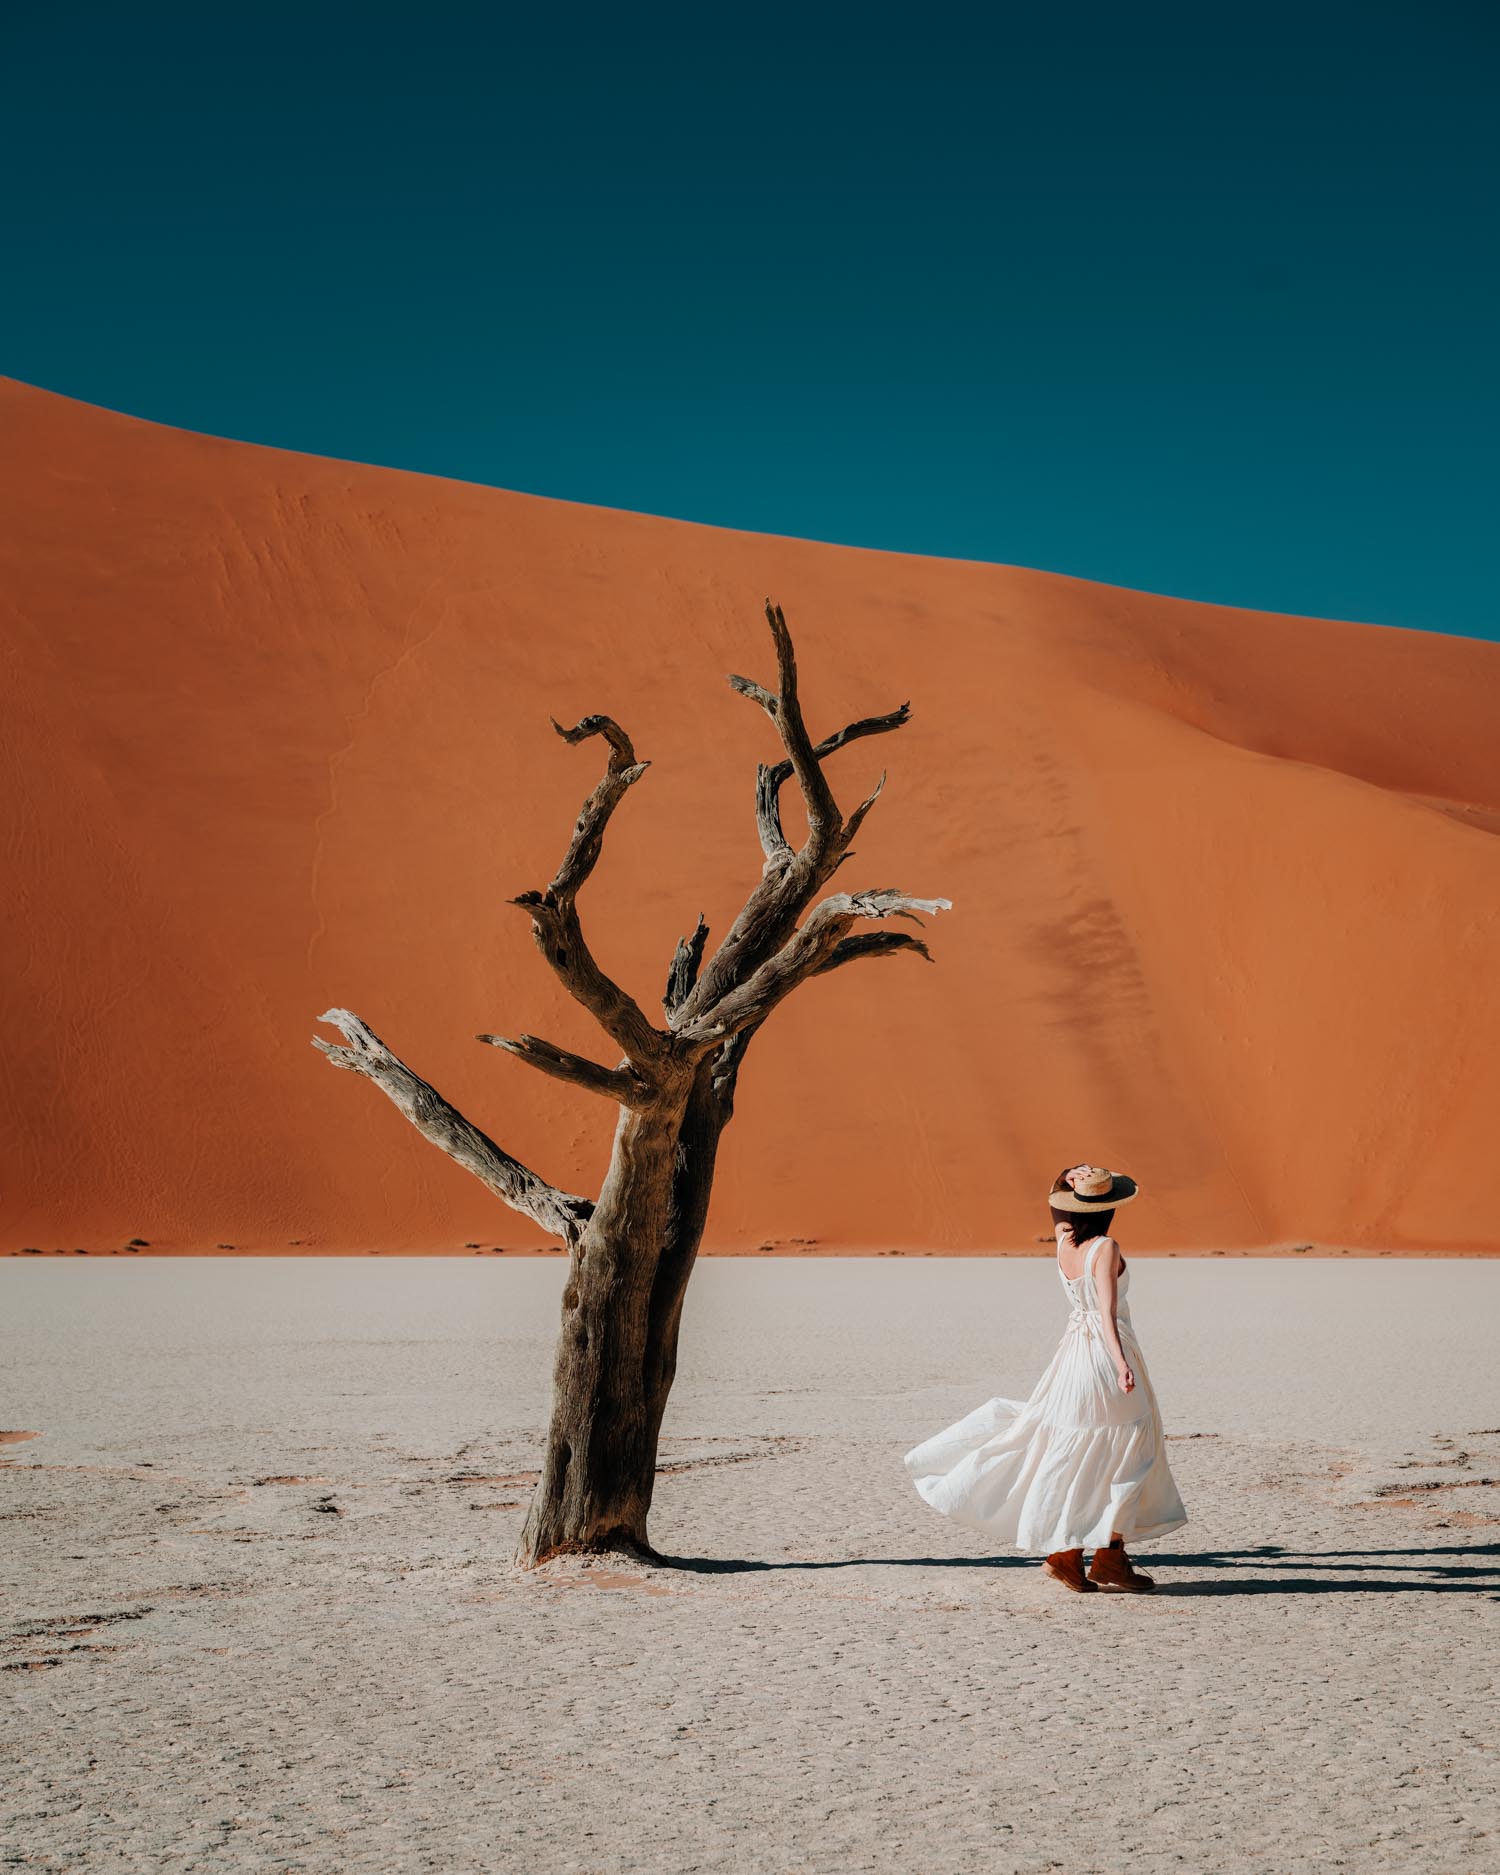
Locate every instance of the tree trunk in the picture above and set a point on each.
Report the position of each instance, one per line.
(617, 1346)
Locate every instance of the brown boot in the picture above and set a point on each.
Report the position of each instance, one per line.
(1113, 1569)
(1066, 1566)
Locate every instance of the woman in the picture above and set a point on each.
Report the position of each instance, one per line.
(1082, 1464)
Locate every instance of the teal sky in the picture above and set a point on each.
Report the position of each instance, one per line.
(1197, 300)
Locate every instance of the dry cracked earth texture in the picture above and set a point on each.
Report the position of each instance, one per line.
(260, 1612)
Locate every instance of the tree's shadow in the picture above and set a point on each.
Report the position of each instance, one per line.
(1451, 1571)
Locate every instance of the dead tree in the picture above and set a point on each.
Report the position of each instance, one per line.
(632, 1249)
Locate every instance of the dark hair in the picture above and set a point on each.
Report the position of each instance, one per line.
(1086, 1224)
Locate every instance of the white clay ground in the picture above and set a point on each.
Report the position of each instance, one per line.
(260, 1612)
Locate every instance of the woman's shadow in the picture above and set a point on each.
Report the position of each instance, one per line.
(1269, 1569)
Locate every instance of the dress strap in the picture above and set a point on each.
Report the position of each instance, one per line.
(1088, 1266)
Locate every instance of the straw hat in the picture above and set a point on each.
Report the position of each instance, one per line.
(1094, 1189)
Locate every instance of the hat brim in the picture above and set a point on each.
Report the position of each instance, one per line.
(1120, 1192)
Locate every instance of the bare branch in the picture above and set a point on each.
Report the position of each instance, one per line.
(866, 726)
(789, 880)
(684, 971)
(757, 693)
(621, 1084)
(559, 937)
(851, 732)
(554, 915)
(588, 832)
(770, 779)
(773, 841)
(785, 710)
(623, 755)
(806, 952)
(556, 1211)
(853, 823)
(822, 809)
(871, 944)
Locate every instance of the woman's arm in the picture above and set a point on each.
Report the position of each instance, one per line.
(1107, 1286)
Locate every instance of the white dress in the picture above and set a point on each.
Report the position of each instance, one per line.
(1078, 1461)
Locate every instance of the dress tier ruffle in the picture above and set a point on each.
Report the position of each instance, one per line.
(1077, 1462)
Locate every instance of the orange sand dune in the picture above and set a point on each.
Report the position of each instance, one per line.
(1225, 884)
